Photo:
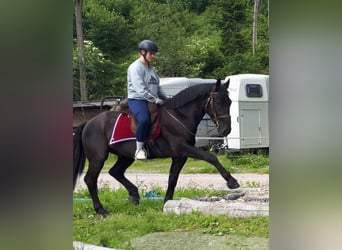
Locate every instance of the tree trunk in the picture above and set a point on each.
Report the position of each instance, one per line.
(255, 24)
(80, 44)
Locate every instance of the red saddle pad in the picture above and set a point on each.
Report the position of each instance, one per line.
(122, 130)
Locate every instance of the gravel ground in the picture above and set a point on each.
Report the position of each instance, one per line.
(147, 181)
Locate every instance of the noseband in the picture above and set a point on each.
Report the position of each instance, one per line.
(210, 106)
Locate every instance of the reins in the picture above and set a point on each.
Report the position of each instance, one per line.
(209, 104)
(175, 118)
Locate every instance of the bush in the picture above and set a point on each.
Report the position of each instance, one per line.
(252, 161)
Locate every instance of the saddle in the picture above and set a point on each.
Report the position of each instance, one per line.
(153, 109)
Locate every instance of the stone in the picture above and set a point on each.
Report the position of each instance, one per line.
(222, 207)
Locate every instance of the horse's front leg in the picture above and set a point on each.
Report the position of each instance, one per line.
(176, 167)
(200, 154)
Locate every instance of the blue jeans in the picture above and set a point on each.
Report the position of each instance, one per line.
(139, 108)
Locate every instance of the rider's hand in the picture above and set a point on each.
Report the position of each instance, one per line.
(160, 101)
(168, 97)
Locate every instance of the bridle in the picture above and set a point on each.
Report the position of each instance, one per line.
(210, 106)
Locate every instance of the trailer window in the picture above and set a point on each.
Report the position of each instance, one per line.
(253, 90)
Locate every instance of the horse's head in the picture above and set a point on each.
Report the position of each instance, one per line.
(218, 107)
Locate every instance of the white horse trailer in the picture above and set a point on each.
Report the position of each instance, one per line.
(249, 110)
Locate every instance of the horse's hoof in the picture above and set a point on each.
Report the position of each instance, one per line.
(134, 200)
(102, 212)
(233, 184)
(104, 215)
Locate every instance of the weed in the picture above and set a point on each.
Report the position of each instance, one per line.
(252, 184)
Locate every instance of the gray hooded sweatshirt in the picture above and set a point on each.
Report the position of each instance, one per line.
(143, 83)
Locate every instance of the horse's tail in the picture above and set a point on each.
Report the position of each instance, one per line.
(79, 155)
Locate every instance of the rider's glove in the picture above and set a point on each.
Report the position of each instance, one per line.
(159, 101)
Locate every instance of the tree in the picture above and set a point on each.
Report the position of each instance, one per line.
(188, 42)
(104, 77)
(255, 24)
(107, 28)
(80, 44)
(196, 38)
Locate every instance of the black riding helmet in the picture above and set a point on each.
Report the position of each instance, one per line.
(148, 46)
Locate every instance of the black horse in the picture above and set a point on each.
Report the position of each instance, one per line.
(179, 118)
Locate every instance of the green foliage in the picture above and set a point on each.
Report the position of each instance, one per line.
(252, 161)
(106, 26)
(100, 72)
(196, 38)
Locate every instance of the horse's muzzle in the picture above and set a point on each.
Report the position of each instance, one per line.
(224, 131)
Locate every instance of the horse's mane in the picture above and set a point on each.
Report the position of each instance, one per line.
(189, 94)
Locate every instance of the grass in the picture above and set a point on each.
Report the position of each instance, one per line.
(127, 221)
(246, 163)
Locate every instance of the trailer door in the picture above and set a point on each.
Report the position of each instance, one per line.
(250, 123)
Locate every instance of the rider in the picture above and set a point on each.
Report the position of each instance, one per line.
(143, 87)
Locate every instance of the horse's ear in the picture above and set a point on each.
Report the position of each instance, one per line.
(218, 84)
(226, 83)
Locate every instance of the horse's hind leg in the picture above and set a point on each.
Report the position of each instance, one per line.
(90, 179)
(118, 171)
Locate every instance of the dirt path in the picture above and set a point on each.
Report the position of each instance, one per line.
(147, 181)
